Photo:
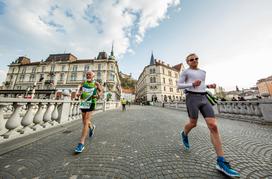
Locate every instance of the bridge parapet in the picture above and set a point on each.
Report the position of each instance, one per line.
(253, 111)
(20, 117)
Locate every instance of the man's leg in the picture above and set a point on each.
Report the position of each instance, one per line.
(184, 134)
(189, 126)
(85, 121)
(214, 134)
(221, 164)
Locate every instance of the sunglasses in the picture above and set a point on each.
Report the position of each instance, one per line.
(193, 59)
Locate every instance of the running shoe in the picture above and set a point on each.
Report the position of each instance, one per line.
(185, 141)
(225, 167)
(79, 148)
(91, 131)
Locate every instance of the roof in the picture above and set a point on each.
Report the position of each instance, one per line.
(178, 66)
(61, 57)
(128, 90)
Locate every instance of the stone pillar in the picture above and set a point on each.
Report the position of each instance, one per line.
(266, 109)
(27, 120)
(14, 121)
(65, 107)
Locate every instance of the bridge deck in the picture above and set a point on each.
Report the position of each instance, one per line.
(142, 142)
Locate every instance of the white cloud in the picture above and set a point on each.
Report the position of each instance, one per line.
(82, 27)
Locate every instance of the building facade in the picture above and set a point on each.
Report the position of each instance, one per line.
(265, 86)
(158, 82)
(61, 72)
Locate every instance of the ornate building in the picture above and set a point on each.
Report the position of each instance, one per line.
(158, 82)
(60, 72)
(265, 86)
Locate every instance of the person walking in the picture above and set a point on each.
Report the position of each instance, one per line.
(89, 91)
(193, 81)
(123, 102)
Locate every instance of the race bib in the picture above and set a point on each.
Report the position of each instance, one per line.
(85, 104)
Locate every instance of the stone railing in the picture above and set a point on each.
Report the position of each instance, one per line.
(254, 111)
(19, 117)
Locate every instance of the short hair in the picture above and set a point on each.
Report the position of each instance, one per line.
(90, 71)
(191, 54)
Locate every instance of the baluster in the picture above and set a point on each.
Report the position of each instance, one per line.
(27, 120)
(14, 121)
(2, 120)
(258, 110)
(38, 118)
(74, 111)
(71, 111)
(47, 115)
(55, 114)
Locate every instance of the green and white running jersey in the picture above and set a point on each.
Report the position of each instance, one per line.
(88, 90)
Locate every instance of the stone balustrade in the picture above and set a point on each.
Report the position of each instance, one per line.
(253, 111)
(20, 117)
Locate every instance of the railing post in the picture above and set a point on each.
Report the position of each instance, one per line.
(47, 115)
(2, 120)
(266, 110)
(14, 121)
(104, 106)
(38, 118)
(55, 114)
(27, 120)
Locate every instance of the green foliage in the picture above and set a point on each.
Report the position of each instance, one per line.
(128, 82)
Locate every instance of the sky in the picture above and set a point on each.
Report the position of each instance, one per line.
(232, 38)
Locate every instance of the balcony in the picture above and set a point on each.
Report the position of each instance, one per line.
(47, 82)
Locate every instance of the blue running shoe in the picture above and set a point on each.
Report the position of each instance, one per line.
(79, 148)
(225, 167)
(185, 141)
(91, 131)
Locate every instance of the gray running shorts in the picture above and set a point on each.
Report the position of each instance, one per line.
(196, 103)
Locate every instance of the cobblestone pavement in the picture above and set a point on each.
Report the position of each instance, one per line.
(143, 142)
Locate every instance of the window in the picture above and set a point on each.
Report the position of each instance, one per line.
(164, 88)
(61, 76)
(86, 68)
(170, 81)
(152, 79)
(112, 76)
(163, 80)
(74, 68)
(162, 70)
(43, 69)
(73, 77)
(63, 68)
(34, 70)
(52, 77)
(32, 77)
(13, 70)
(99, 66)
(24, 70)
(111, 67)
(52, 68)
(171, 89)
(99, 75)
(169, 73)
(22, 78)
(177, 90)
